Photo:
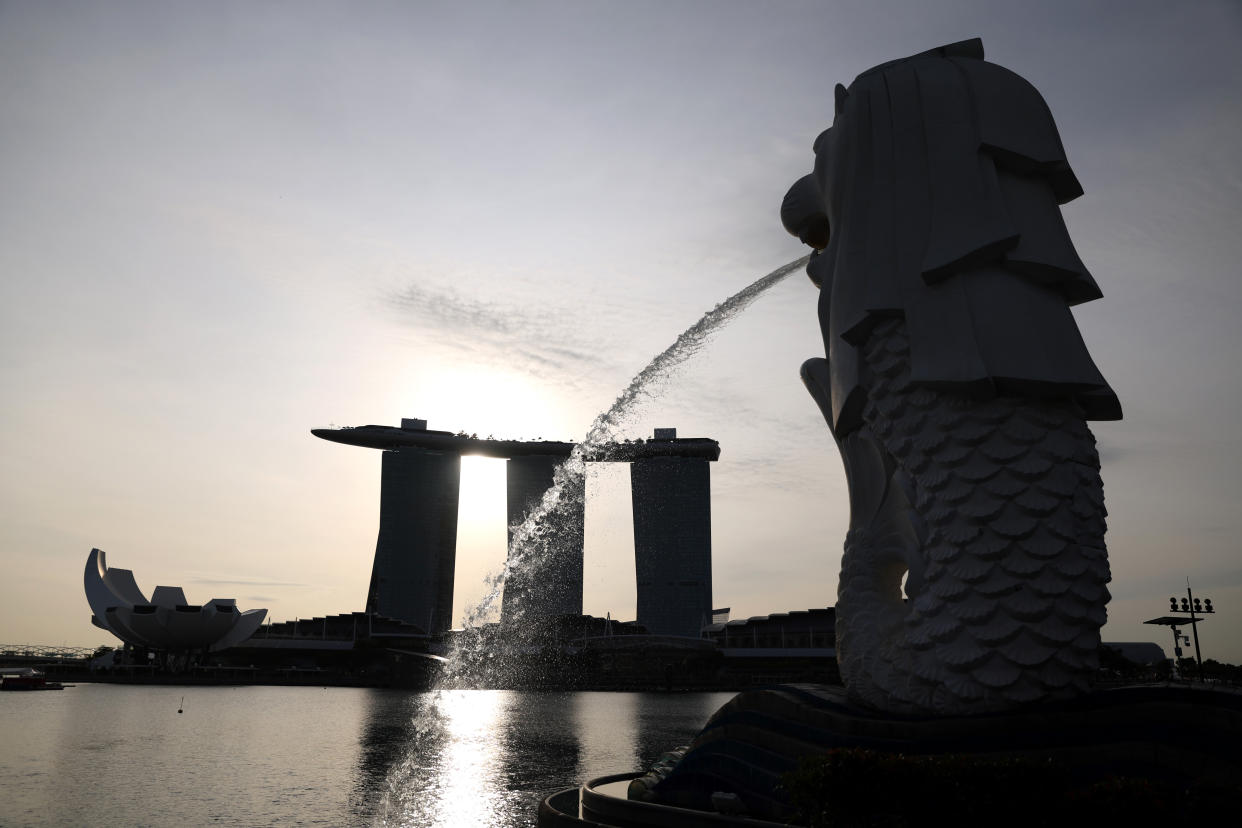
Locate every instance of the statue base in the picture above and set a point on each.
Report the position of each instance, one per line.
(1153, 736)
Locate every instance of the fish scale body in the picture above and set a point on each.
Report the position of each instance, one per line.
(999, 507)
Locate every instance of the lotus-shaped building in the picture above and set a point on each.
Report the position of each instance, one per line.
(166, 622)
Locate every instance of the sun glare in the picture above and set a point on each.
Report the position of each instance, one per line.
(482, 533)
(482, 499)
(489, 402)
(484, 401)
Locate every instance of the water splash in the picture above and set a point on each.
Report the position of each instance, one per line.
(536, 538)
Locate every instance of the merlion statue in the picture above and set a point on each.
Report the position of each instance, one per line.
(957, 387)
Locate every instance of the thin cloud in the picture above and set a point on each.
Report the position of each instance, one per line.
(537, 339)
(446, 309)
(245, 582)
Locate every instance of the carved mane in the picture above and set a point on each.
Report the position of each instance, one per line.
(942, 178)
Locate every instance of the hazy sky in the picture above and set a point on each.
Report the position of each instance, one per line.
(224, 224)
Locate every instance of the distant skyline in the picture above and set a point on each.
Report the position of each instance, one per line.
(226, 224)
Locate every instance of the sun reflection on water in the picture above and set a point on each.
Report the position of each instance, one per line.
(486, 757)
(470, 760)
(449, 775)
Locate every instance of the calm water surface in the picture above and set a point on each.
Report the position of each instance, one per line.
(100, 754)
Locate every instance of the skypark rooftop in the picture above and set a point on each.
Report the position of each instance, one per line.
(415, 433)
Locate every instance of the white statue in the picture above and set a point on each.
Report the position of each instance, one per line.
(957, 387)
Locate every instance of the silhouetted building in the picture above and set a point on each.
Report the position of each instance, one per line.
(544, 585)
(412, 577)
(672, 541)
(415, 553)
(166, 621)
(811, 629)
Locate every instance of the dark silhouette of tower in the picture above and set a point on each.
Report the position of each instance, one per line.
(412, 577)
(672, 541)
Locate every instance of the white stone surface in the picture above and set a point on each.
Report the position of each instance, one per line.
(167, 621)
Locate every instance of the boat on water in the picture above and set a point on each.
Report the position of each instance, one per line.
(28, 679)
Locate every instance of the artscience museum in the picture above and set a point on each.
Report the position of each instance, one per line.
(167, 621)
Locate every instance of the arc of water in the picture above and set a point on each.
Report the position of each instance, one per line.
(529, 538)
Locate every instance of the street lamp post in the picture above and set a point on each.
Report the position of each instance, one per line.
(1191, 606)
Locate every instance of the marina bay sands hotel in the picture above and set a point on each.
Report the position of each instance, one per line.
(415, 554)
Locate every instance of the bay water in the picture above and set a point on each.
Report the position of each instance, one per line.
(107, 754)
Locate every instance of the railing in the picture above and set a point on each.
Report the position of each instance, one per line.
(45, 652)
